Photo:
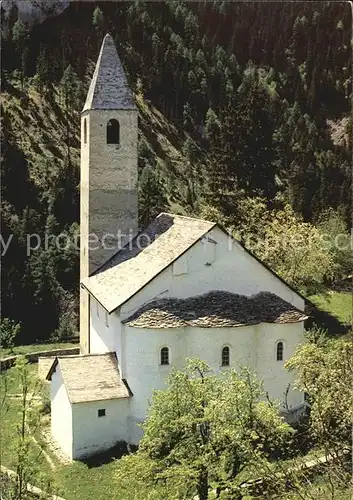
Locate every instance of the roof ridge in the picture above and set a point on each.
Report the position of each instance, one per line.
(71, 356)
(186, 217)
(143, 231)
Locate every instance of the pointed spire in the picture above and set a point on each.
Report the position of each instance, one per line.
(109, 88)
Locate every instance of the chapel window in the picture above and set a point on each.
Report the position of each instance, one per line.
(164, 356)
(225, 356)
(279, 351)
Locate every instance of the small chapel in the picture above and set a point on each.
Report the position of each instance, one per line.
(152, 297)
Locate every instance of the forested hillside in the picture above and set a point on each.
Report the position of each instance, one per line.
(244, 117)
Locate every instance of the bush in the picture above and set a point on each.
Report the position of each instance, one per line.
(9, 330)
(46, 403)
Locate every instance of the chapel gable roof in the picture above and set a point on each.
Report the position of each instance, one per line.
(165, 239)
(92, 377)
(215, 309)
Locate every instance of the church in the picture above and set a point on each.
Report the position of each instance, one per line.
(149, 299)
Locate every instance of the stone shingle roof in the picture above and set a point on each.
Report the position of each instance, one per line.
(215, 309)
(93, 377)
(160, 244)
(109, 88)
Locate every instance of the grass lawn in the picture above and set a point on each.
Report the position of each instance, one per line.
(26, 349)
(338, 304)
(79, 482)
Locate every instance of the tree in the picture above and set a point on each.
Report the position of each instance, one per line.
(98, 18)
(70, 88)
(26, 455)
(9, 330)
(192, 153)
(98, 23)
(324, 369)
(202, 431)
(43, 69)
(212, 127)
(152, 199)
(187, 117)
(295, 250)
(20, 35)
(338, 240)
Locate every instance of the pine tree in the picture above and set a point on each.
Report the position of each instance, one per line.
(98, 19)
(20, 35)
(70, 88)
(43, 69)
(152, 199)
(98, 24)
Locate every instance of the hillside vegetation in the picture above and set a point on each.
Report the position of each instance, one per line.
(244, 118)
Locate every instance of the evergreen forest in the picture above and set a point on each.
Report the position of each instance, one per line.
(244, 118)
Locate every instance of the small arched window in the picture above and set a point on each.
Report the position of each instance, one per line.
(113, 132)
(279, 351)
(165, 356)
(85, 131)
(225, 356)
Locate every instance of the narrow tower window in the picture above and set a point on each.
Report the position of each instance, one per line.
(279, 351)
(85, 131)
(113, 132)
(225, 356)
(164, 356)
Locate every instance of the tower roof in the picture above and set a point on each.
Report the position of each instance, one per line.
(109, 88)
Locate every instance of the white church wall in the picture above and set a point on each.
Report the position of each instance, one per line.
(253, 346)
(93, 434)
(275, 377)
(61, 413)
(105, 330)
(207, 344)
(216, 263)
(143, 370)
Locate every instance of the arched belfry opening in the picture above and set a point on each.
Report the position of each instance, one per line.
(113, 132)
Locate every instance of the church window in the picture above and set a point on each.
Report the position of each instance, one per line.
(279, 351)
(85, 131)
(101, 412)
(225, 356)
(164, 356)
(113, 132)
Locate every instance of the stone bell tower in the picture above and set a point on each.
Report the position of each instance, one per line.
(109, 132)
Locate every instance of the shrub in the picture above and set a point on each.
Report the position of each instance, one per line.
(9, 330)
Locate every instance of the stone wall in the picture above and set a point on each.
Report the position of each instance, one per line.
(6, 363)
